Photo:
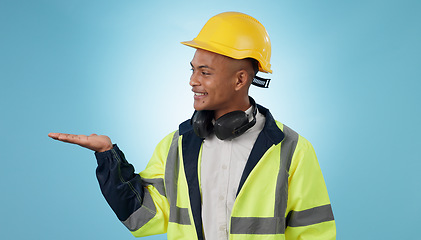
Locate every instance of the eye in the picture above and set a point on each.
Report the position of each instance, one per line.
(205, 73)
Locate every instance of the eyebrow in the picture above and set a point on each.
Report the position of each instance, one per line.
(202, 66)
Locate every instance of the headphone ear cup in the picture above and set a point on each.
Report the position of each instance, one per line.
(202, 123)
(226, 126)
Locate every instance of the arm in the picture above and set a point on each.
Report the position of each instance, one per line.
(121, 187)
(139, 202)
(309, 213)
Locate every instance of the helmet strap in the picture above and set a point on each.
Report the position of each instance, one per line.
(260, 82)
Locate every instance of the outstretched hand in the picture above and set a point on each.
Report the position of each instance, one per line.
(98, 143)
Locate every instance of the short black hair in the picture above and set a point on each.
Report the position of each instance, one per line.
(255, 65)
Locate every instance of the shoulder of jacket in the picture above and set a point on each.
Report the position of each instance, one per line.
(289, 132)
(166, 141)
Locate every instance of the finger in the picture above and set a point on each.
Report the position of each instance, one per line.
(72, 138)
(64, 137)
(53, 135)
(58, 136)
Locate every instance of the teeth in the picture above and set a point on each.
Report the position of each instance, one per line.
(199, 94)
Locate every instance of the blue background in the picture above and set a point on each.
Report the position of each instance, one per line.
(346, 75)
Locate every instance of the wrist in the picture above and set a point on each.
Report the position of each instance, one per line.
(108, 148)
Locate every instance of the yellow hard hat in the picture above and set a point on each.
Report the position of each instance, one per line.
(236, 35)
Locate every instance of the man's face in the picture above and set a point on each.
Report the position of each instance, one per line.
(213, 82)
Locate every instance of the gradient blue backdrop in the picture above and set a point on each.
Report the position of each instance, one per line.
(346, 75)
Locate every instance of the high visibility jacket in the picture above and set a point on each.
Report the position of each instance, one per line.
(281, 195)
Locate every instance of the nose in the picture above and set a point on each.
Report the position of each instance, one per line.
(194, 80)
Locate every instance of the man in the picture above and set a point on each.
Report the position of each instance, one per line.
(232, 171)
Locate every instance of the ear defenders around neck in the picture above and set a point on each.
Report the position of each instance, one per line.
(228, 126)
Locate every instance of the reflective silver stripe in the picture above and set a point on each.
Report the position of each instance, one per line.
(310, 216)
(177, 215)
(275, 224)
(143, 215)
(256, 225)
(287, 151)
(158, 183)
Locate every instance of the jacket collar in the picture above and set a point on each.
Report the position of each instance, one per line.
(271, 130)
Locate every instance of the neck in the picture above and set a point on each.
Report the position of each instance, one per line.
(242, 105)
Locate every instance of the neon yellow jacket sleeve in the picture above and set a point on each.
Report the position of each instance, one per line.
(309, 214)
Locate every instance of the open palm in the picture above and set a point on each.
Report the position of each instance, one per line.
(98, 143)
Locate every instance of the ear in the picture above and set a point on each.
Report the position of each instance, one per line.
(242, 78)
